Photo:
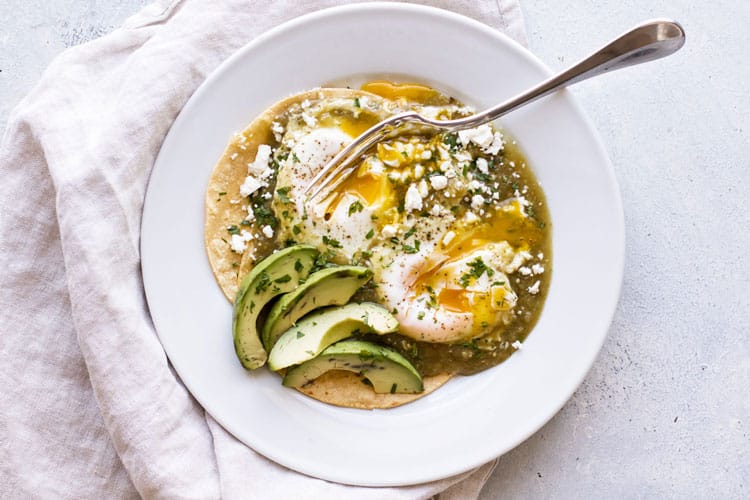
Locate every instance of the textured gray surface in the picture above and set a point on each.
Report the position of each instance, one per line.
(665, 412)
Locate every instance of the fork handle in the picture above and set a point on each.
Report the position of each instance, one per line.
(646, 42)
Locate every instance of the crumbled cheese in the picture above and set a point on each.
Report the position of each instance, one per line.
(250, 186)
(534, 289)
(496, 146)
(234, 155)
(413, 200)
(540, 255)
(470, 217)
(436, 210)
(278, 130)
(267, 231)
(376, 166)
(305, 104)
(390, 230)
(537, 268)
(483, 166)
(475, 185)
(481, 136)
(364, 101)
(259, 166)
(310, 121)
(516, 345)
(477, 201)
(250, 213)
(418, 171)
(426, 154)
(237, 243)
(525, 271)
(439, 182)
(448, 237)
(446, 166)
(423, 189)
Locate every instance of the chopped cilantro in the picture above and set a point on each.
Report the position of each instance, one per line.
(263, 283)
(233, 229)
(296, 230)
(412, 249)
(356, 102)
(355, 207)
(370, 234)
(477, 269)
(300, 335)
(451, 140)
(332, 242)
(283, 279)
(283, 193)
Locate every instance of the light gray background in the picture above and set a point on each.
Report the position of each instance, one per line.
(665, 412)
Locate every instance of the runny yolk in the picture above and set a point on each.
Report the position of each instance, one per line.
(410, 91)
(454, 300)
(349, 124)
(371, 189)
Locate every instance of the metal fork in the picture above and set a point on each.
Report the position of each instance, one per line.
(646, 42)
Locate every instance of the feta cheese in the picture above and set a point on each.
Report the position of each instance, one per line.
(537, 268)
(260, 164)
(470, 217)
(439, 182)
(534, 289)
(418, 171)
(481, 136)
(516, 345)
(525, 271)
(496, 146)
(310, 121)
(376, 166)
(237, 243)
(448, 238)
(267, 231)
(234, 155)
(483, 166)
(413, 200)
(390, 230)
(436, 210)
(477, 201)
(426, 154)
(250, 185)
(423, 189)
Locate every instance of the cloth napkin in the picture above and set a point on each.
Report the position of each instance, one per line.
(90, 405)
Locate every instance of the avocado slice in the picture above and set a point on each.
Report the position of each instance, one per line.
(387, 370)
(327, 287)
(318, 330)
(278, 273)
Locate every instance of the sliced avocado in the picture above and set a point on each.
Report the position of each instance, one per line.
(278, 273)
(318, 330)
(327, 287)
(387, 370)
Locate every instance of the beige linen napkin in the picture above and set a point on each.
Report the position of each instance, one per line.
(90, 405)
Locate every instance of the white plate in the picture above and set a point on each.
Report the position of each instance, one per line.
(472, 419)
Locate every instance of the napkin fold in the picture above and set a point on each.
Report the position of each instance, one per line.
(91, 407)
